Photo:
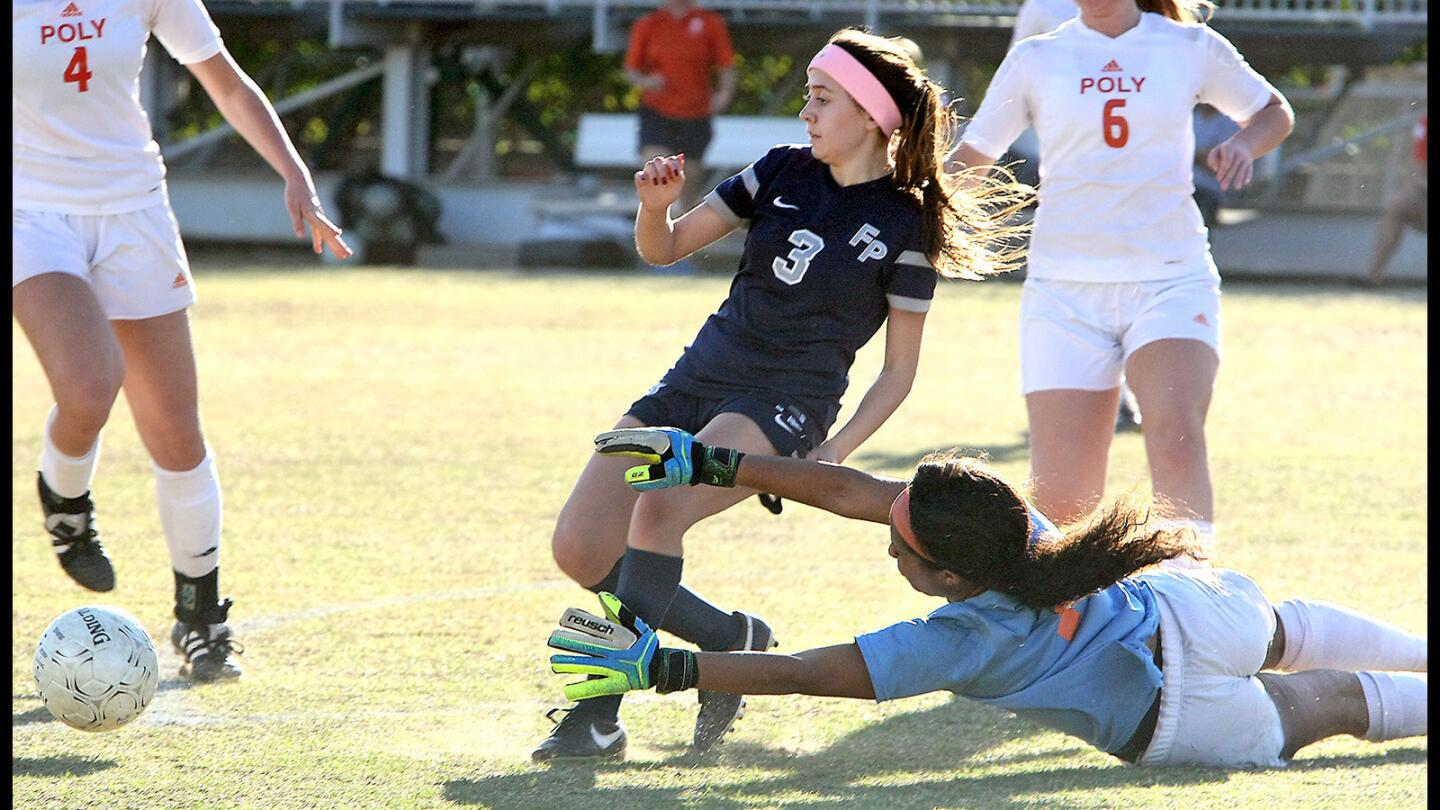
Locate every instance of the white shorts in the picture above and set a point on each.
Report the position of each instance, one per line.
(1078, 335)
(1215, 630)
(133, 261)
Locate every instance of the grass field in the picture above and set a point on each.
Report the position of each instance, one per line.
(395, 446)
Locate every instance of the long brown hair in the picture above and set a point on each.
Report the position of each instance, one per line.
(978, 526)
(967, 233)
(1185, 11)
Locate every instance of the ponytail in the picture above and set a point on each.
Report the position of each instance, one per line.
(973, 523)
(967, 231)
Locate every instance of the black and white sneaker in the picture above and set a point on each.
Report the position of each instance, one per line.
(579, 737)
(209, 648)
(75, 538)
(720, 710)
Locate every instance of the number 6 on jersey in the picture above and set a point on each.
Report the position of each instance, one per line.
(1117, 129)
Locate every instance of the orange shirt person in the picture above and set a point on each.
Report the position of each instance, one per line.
(674, 55)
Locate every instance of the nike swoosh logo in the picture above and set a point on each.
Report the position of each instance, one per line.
(779, 204)
(605, 740)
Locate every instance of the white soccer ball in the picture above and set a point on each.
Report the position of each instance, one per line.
(95, 668)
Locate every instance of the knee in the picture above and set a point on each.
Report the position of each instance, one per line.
(575, 553)
(659, 514)
(1175, 439)
(85, 398)
(176, 445)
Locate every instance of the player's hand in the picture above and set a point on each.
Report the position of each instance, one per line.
(303, 205)
(1232, 164)
(615, 651)
(660, 182)
(672, 458)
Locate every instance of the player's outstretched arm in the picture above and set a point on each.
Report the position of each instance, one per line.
(674, 458)
(245, 107)
(619, 653)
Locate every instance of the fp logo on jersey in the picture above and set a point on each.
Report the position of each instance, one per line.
(874, 248)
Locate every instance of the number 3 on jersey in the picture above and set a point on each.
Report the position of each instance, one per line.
(78, 71)
(1116, 128)
(807, 244)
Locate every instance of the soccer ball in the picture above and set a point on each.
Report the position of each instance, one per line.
(95, 668)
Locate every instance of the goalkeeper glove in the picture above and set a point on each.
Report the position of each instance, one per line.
(619, 652)
(673, 457)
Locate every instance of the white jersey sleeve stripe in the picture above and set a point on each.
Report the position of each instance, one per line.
(717, 202)
(914, 258)
(907, 304)
(752, 183)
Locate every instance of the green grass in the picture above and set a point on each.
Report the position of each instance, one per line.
(395, 446)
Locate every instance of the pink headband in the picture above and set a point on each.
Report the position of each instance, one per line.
(860, 83)
(900, 519)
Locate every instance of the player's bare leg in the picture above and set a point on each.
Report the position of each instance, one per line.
(1070, 435)
(1173, 381)
(649, 582)
(1408, 207)
(83, 363)
(1318, 703)
(161, 387)
(589, 537)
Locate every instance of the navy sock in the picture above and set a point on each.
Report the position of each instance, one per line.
(611, 582)
(697, 621)
(646, 584)
(690, 617)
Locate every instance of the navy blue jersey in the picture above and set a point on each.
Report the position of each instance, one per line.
(823, 264)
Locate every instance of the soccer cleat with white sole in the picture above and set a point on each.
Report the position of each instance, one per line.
(720, 710)
(578, 737)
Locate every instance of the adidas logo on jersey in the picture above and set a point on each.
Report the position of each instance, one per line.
(1111, 67)
(71, 10)
(180, 281)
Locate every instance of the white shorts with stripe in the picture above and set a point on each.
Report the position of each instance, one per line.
(134, 261)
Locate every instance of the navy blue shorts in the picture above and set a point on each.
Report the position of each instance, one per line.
(789, 426)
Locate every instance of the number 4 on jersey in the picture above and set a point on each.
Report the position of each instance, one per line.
(78, 71)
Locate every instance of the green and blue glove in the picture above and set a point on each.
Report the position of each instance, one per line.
(673, 458)
(618, 652)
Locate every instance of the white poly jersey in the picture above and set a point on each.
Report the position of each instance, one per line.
(1039, 16)
(82, 142)
(1116, 145)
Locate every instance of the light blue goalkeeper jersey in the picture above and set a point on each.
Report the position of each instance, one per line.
(1084, 670)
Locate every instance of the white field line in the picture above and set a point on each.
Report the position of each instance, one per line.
(172, 706)
(268, 622)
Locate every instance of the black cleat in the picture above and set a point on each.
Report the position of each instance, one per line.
(720, 710)
(578, 737)
(73, 535)
(208, 648)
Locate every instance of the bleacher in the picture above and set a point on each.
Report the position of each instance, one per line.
(957, 35)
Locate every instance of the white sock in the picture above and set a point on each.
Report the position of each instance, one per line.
(67, 476)
(1398, 704)
(1322, 635)
(190, 514)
